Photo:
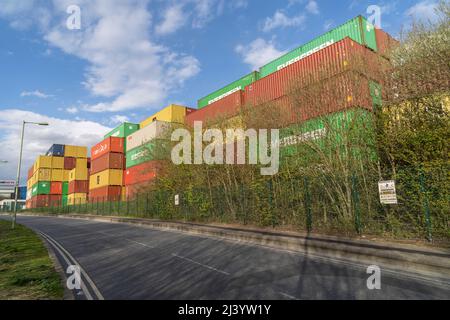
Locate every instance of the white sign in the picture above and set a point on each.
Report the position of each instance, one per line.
(7, 184)
(177, 199)
(388, 194)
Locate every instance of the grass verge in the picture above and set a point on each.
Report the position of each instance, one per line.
(26, 270)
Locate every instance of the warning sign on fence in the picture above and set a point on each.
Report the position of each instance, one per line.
(388, 194)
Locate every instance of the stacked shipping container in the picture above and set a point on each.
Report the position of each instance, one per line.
(148, 148)
(107, 165)
(48, 178)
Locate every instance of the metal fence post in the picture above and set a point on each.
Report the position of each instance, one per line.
(426, 206)
(356, 207)
(308, 209)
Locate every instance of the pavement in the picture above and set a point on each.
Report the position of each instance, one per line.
(123, 261)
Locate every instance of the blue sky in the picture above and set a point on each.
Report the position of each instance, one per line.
(132, 58)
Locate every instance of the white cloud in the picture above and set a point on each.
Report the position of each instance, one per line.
(313, 7)
(424, 10)
(39, 139)
(259, 52)
(126, 69)
(72, 110)
(36, 93)
(117, 119)
(280, 20)
(174, 18)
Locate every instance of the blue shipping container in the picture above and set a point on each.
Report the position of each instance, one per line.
(22, 193)
(56, 150)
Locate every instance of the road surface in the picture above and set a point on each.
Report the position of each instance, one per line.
(121, 261)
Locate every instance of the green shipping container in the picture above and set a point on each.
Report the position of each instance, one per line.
(40, 188)
(65, 188)
(229, 89)
(358, 29)
(154, 150)
(65, 200)
(327, 132)
(123, 131)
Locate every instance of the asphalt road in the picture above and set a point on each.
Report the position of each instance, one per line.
(121, 261)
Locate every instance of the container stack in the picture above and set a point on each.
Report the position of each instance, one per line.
(48, 178)
(108, 164)
(148, 148)
(348, 60)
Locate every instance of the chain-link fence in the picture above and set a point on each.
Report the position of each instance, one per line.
(347, 205)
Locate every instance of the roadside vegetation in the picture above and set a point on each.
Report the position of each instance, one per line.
(26, 270)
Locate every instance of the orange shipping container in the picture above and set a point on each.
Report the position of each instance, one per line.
(56, 188)
(111, 144)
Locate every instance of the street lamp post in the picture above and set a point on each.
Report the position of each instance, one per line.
(19, 166)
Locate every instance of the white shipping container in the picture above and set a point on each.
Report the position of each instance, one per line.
(29, 195)
(156, 130)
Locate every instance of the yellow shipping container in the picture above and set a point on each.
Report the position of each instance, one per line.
(106, 178)
(78, 174)
(29, 184)
(81, 163)
(42, 175)
(173, 113)
(57, 163)
(76, 199)
(81, 152)
(70, 151)
(43, 162)
(66, 175)
(57, 175)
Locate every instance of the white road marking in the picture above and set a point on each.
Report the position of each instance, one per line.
(200, 264)
(288, 296)
(89, 280)
(84, 289)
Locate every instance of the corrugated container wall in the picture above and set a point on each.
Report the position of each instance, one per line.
(111, 144)
(155, 130)
(56, 150)
(108, 161)
(358, 29)
(142, 173)
(223, 109)
(173, 113)
(238, 85)
(340, 57)
(123, 131)
(385, 42)
(345, 91)
(107, 193)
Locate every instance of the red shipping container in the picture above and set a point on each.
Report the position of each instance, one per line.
(41, 201)
(103, 194)
(70, 163)
(56, 188)
(145, 172)
(111, 144)
(225, 108)
(108, 161)
(134, 190)
(78, 186)
(55, 200)
(385, 42)
(346, 91)
(340, 57)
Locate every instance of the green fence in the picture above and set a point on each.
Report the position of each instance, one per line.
(302, 203)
